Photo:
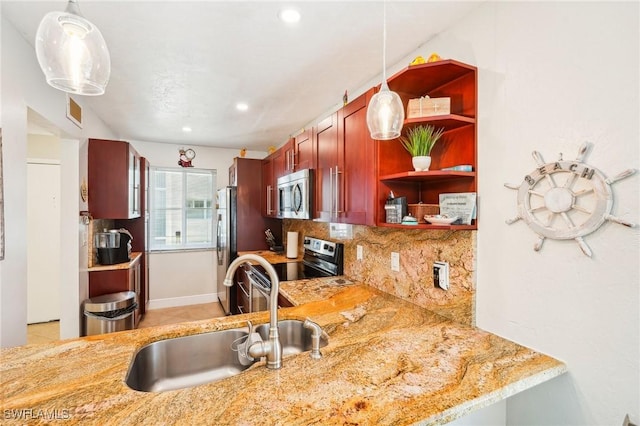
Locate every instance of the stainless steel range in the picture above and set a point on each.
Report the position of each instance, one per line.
(321, 259)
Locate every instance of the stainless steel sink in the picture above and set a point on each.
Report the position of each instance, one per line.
(293, 336)
(184, 362)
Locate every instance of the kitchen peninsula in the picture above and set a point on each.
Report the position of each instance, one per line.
(387, 362)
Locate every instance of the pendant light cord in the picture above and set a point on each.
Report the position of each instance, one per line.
(384, 43)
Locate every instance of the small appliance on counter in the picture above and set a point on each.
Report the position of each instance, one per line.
(113, 246)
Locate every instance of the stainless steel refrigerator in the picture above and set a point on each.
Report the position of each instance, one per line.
(240, 227)
(226, 244)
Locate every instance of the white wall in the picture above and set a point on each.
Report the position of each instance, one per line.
(184, 278)
(23, 86)
(553, 75)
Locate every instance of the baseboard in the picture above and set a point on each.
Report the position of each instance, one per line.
(173, 302)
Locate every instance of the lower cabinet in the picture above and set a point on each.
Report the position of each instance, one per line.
(105, 281)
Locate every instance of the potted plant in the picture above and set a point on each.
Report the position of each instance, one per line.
(419, 142)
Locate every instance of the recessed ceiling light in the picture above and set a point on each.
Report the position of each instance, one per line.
(290, 16)
(241, 106)
(186, 129)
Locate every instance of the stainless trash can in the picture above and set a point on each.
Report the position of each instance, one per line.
(109, 313)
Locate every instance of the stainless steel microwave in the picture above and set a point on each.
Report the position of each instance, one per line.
(295, 192)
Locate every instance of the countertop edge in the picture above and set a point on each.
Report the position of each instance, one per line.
(134, 257)
(490, 398)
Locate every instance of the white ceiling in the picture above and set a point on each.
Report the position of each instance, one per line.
(187, 63)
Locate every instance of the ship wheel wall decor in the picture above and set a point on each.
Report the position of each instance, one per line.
(566, 200)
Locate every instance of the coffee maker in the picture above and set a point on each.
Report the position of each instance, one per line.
(113, 246)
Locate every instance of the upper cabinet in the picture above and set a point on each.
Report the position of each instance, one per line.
(114, 180)
(442, 79)
(345, 166)
(302, 152)
(268, 193)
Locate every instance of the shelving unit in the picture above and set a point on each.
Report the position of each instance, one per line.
(446, 78)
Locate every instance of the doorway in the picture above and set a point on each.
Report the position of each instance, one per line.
(43, 241)
(62, 264)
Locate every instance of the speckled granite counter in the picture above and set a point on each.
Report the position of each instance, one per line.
(133, 258)
(387, 362)
(272, 257)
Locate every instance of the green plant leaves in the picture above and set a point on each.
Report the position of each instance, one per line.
(421, 139)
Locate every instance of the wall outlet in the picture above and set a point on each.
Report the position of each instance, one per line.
(359, 254)
(395, 261)
(441, 275)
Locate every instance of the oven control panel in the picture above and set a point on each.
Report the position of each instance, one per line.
(316, 245)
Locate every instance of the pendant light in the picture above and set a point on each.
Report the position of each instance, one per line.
(72, 52)
(385, 115)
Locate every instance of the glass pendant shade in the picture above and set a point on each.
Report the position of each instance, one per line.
(385, 115)
(72, 52)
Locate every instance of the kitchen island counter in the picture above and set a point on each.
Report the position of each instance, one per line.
(387, 362)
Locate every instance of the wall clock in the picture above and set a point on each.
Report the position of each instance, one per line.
(566, 200)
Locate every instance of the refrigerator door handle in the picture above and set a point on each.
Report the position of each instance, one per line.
(218, 248)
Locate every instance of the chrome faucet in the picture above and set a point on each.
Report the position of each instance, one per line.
(272, 348)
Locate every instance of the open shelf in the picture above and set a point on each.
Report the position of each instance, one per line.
(430, 176)
(448, 121)
(429, 226)
(442, 79)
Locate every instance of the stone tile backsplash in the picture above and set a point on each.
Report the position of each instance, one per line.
(418, 250)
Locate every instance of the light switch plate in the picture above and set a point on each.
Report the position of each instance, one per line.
(395, 261)
(359, 254)
(441, 275)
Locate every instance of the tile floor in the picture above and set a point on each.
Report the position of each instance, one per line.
(50, 331)
(43, 332)
(181, 314)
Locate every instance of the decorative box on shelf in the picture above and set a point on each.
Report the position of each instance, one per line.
(428, 107)
(420, 210)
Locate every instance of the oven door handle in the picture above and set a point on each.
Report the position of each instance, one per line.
(254, 282)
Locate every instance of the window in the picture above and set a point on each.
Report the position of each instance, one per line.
(181, 208)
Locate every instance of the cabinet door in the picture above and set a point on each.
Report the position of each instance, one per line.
(109, 281)
(268, 193)
(356, 162)
(278, 159)
(289, 157)
(326, 164)
(113, 169)
(303, 151)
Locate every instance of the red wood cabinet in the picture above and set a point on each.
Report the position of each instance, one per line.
(118, 279)
(356, 155)
(447, 78)
(345, 166)
(303, 151)
(268, 192)
(326, 164)
(114, 180)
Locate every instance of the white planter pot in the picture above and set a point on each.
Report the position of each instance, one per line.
(421, 164)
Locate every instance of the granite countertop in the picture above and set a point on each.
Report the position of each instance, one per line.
(273, 257)
(133, 258)
(387, 362)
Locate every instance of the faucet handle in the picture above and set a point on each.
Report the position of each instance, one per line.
(316, 334)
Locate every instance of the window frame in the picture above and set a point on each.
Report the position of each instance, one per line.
(184, 209)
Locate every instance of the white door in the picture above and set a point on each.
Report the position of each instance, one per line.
(43, 242)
